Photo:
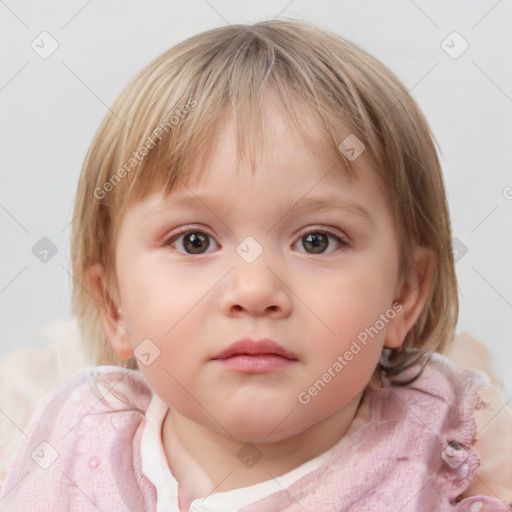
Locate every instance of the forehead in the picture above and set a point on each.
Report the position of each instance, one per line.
(273, 141)
(285, 175)
(282, 161)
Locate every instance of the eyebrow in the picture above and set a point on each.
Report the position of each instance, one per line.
(305, 204)
(311, 204)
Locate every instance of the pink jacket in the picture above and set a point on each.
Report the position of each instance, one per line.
(415, 454)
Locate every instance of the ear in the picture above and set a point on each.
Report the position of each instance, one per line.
(111, 316)
(411, 293)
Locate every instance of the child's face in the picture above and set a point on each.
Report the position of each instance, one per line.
(193, 296)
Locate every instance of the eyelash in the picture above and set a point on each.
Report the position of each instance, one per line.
(324, 230)
(328, 231)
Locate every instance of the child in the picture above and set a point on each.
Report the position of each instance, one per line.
(262, 263)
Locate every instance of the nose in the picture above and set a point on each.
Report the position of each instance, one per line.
(256, 289)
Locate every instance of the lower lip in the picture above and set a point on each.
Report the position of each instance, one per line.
(256, 363)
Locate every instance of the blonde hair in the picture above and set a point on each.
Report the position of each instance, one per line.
(173, 108)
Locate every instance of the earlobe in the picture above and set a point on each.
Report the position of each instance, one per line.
(411, 294)
(111, 315)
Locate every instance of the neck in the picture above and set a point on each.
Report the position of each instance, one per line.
(205, 461)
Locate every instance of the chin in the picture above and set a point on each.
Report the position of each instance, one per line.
(262, 427)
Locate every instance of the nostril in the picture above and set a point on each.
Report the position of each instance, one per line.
(238, 308)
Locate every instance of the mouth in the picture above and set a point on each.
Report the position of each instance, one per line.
(255, 356)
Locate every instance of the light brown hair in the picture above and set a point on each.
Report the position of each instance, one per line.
(171, 111)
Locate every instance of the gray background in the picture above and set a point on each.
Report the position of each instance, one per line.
(50, 109)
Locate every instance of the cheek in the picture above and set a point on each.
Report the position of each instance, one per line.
(165, 308)
(355, 297)
(155, 299)
(355, 310)
(167, 329)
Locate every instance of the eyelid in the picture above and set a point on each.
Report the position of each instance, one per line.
(342, 239)
(325, 229)
(190, 228)
(170, 239)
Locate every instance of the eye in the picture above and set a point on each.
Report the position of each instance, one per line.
(191, 241)
(320, 241)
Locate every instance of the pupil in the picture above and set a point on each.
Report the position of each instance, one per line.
(193, 242)
(318, 241)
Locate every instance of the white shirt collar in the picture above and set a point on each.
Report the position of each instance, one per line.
(156, 469)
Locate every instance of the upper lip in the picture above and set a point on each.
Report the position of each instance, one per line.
(254, 347)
